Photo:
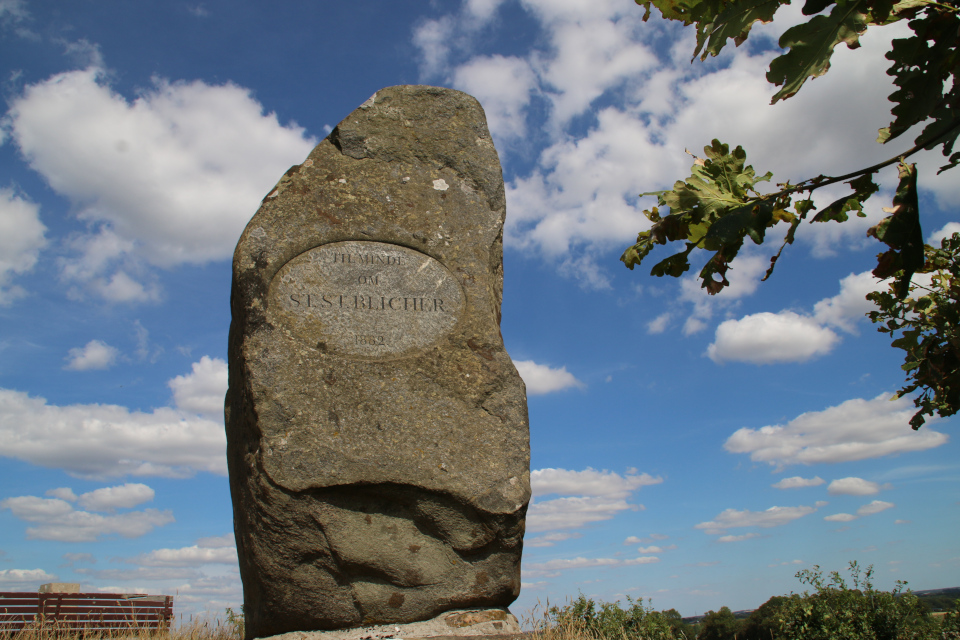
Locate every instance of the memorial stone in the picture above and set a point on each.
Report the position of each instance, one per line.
(377, 435)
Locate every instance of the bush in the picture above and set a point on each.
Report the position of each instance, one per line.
(608, 620)
(835, 612)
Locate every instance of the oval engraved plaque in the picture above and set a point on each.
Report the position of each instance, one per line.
(368, 299)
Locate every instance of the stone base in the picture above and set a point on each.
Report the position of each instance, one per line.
(460, 623)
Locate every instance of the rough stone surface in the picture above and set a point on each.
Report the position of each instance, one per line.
(377, 433)
(488, 623)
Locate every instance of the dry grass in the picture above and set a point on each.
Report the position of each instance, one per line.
(197, 629)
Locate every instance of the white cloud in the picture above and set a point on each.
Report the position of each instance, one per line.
(788, 336)
(552, 567)
(654, 537)
(798, 482)
(226, 540)
(874, 507)
(772, 517)
(866, 510)
(947, 230)
(590, 56)
(503, 86)
(744, 278)
(854, 430)
(24, 579)
(540, 378)
(21, 239)
(740, 538)
(768, 338)
(95, 355)
(595, 496)
(659, 324)
(588, 482)
(202, 391)
(64, 493)
(58, 520)
(654, 549)
(580, 198)
(840, 517)
(550, 539)
(574, 512)
(125, 496)
(170, 178)
(431, 37)
(849, 306)
(101, 440)
(193, 556)
(853, 487)
(583, 192)
(482, 10)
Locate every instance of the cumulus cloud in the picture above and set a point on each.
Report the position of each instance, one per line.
(574, 512)
(588, 482)
(432, 37)
(854, 487)
(24, 579)
(95, 355)
(203, 389)
(659, 324)
(170, 178)
(579, 199)
(788, 336)
(57, 519)
(874, 507)
(192, 556)
(554, 567)
(944, 232)
(772, 517)
(744, 277)
(798, 482)
(594, 496)
(125, 496)
(540, 378)
(768, 338)
(840, 517)
(101, 440)
(849, 306)
(866, 510)
(503, 85)
(551, 539)
(654, 537)
(21, 239)
(854, 430)
(739, 538)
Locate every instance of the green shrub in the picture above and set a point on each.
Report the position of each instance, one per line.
(836, 612)
(608, 620)
(833, 611)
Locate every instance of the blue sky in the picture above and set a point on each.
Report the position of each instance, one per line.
(697, 451)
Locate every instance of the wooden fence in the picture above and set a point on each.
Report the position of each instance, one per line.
(84, 612)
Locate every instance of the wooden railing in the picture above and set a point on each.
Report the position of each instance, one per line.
(84, 612)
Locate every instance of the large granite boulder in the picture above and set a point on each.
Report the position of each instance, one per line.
(377, 433)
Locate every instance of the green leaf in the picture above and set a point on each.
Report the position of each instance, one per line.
(863, 188)
(902, 233)
(811, 44)
(922, 66)
(734, 22)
